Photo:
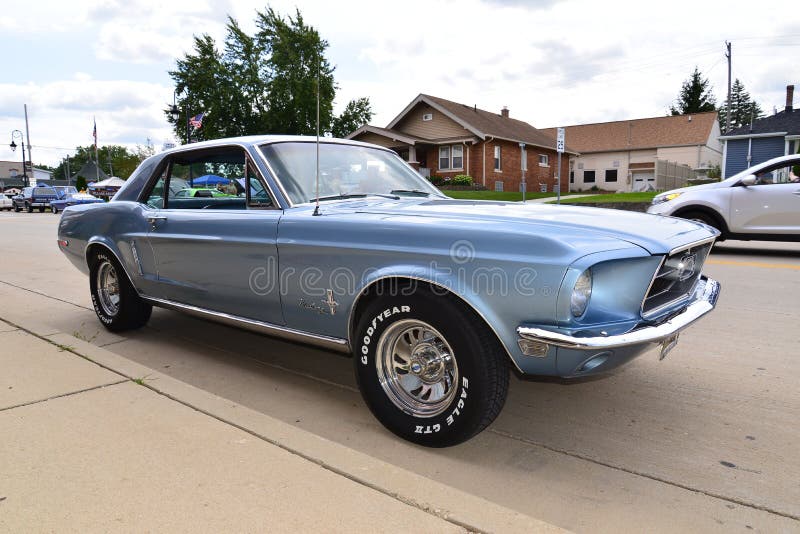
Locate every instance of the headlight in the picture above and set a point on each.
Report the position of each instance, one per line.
(581, 293)
(658, 199)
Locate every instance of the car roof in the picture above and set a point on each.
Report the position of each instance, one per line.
(256, 140)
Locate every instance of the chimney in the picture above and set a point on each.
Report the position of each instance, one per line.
(504, 111)
(789, 98)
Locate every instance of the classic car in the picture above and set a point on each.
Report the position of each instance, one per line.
(762, 202)
(73, 199)
(5, 202)
(343, 245)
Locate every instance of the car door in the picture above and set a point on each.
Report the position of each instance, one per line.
(218, 253)
(771, 206)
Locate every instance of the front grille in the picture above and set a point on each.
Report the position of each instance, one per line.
(676, 278)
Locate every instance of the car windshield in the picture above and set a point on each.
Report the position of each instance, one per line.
(344, 171)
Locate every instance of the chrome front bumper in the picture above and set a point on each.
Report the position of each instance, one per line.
(534, 341)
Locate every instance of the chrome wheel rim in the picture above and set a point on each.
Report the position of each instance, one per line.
(416, 368)
(108, 288)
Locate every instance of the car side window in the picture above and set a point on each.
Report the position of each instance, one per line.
(780, 174)
(156, 197)
(258, 195)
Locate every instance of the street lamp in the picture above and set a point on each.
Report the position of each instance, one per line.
(13, 145)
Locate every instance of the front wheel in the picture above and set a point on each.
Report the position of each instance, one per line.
(115, 300)
(429, 369)
(54, 209)
(29, 208)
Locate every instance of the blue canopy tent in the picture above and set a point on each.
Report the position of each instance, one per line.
(208, 180)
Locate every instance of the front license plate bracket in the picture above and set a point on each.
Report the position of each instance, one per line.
(667, 345)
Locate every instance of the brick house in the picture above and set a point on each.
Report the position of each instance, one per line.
(444, 138)
(642, 154)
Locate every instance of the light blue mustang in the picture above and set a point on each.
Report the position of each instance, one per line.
(344, 246)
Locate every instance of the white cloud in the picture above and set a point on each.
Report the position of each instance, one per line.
(551, 62)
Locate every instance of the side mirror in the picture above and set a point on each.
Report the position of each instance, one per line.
(750, 179)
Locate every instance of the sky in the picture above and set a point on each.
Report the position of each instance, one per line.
(551, 62)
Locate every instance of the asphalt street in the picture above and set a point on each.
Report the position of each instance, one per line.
(704, 441)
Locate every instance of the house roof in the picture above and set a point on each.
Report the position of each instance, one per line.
(482, 123)
(392, 134)
(678, 130)
(784, 123)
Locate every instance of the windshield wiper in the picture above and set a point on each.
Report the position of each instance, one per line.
(355, 195)
(415, 192)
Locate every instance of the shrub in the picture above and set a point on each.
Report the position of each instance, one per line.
(436, 180)
(462, 179)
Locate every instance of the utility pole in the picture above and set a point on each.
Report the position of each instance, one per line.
(28, 135)
(728, 110)
(66, 168)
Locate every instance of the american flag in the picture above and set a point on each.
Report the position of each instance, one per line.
(197, 121)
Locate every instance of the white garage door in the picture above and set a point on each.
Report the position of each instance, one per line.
(644, 181)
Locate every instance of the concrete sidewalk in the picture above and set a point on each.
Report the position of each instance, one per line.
(91, 441)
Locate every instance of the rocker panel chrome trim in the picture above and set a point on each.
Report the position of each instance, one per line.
(327, 342)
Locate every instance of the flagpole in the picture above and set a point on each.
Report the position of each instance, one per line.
(96, 157)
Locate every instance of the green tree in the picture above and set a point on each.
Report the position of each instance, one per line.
(695, 96)
(262, 83)
(114, 158)
(743, 108)
(357, 113)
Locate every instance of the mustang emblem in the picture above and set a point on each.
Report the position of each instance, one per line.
(687, 266)
(328, 301)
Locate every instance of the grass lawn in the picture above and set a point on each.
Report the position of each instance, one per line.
(507, 196)
(616, 197)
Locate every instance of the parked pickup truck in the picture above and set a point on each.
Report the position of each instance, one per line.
(34, 197)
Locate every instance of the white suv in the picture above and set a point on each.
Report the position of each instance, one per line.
(762, 202)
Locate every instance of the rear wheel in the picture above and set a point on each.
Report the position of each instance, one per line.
(428, 369)
(115, 300)
(29, 208)
(54, 209)
(17, 209)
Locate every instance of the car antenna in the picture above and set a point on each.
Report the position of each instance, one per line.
(316, 208)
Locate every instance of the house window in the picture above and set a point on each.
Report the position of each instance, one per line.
(498, 186)
(497, 161)
(451, 157)
(427, 116)
(572, 177)
(588, 177)
(580, 165)
(444, 157)
(544, 160)
(611, 175)
(458, 157)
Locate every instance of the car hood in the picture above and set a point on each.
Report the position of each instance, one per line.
(654, 233)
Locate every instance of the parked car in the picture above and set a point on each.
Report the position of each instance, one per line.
(5, 202)
(437, 299)
(762, 202)
(73, 199)
(201, 192)
(37, 197)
